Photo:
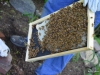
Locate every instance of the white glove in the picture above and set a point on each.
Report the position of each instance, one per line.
(3, 49)
(93, 5)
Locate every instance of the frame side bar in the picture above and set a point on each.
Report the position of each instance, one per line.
(90, 34)
(28, 43)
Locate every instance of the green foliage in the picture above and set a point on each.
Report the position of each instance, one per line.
(0, 17)
(24, 29)
(97, 39)
(76, 57)
(7, 74)
(89, 74)
(97, 31)
(1, 11)
(12, 11)
(97, 34)
(93, 56)
(17, 52)
(97, 67)
(45, 1)
(97, 72)
(31, 17)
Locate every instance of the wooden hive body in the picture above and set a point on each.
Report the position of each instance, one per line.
(90, 33)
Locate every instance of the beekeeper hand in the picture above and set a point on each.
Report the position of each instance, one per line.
(4, 49)
(93, 5)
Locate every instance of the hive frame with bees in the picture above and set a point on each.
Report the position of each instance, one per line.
(90, 36)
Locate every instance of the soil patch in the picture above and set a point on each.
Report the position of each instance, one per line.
(39, 4)
(73, 68)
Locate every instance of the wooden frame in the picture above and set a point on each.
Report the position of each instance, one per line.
(90, 36)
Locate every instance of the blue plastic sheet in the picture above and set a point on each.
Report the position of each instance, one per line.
(53, 66)
(97, 19)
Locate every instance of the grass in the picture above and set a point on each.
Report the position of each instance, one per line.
(45, 1)
(1, 11)
(97, 35)
(97, 31)
(31, 17)
(0, 17)
(97, 69)
(24, 29)
(97, 39)
(12, 11)
(76, 57)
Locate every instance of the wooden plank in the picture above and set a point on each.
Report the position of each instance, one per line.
(57, 54)
(90, 34)
(40, 20)
(28, 43)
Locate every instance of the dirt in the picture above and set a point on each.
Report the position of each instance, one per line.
(13, 23)
(39, 4)
(73, 68)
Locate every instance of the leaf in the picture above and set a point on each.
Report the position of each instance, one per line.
(89, 74)
(45, 1)
(97, 39)
(97, 31)
(97, 73)
(33, 18)
(76, 57)
(90, 61)
(26, 14)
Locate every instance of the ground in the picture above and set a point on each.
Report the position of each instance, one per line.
(13, 22)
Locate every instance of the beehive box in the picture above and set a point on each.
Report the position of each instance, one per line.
(90, 31)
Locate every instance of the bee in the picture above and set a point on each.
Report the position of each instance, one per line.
(47, 25)
(33, 26)
(42, 27)
(92, 24)
(93, 35)
(40, 34)
(91, 17)
(39, 28)
(83, 44)
(42, 50)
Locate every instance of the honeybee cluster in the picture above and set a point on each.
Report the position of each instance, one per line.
(66, 29)
(33, 49)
